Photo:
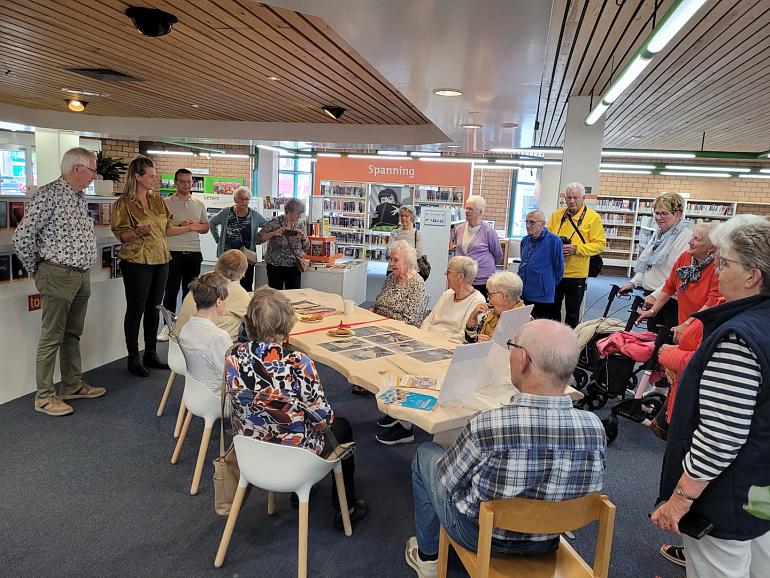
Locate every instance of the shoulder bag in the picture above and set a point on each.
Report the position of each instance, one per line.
(423, 266)
(595, 262)
(226, 471)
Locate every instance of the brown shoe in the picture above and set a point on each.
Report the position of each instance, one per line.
(52, 405)
(83, 391)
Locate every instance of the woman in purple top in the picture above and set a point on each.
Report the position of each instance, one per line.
(478, 241)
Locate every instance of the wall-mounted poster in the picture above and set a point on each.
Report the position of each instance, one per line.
(5, 268)
(15, 213)
(3, 214)
(384, 202)
(225, 188)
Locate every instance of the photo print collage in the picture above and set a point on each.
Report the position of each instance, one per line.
(371, 342)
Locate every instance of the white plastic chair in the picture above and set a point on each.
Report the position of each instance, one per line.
(202, 402)
(177, 364)
(278, 468)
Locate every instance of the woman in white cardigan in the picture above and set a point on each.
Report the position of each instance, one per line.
(455, 304)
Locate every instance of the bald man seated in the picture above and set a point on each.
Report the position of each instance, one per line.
(521, 449)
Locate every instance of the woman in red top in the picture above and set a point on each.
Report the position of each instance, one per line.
(692, 279)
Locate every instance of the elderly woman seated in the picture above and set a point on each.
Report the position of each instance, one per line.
(203, 343)
(277, 396)
(504, 293)
(455, 304)
(232, 265)
(403, 296)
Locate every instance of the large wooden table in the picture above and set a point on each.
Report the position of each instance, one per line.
(369, 374)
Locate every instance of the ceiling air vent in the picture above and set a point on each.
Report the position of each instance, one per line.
(105, 74)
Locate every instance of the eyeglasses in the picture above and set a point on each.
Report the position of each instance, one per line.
(490, 293)
(512, 345)
(722, 260)
(662, 214)
(528, 222)
(93, 171)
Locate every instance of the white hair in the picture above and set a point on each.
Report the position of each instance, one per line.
(508, 283)
(408, 252)
(479, 203)
(552, 347)
(749, 237)
(465, 265)
(242, 192)
(576, 186)
(74, 157)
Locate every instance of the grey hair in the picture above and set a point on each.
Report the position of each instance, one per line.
(294, 206)
(707, 228)
(465, 265)
(269, 315)
(552, 347)
(242, 192)
(671, 202)
(479, 203)
(539, 213)
(508, 283)
(576, 186)
(749, 237)
(408, 209)
(209, 287)
(74, 157)
(409, 253)
(232, 264)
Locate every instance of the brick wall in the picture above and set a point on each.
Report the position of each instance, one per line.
(125, 149)
(495, 187)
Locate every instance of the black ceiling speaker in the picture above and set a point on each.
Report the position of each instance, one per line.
(151, 21)
(334, 112)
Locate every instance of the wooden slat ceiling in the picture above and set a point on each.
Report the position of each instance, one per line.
(712, 78)
(219, 57)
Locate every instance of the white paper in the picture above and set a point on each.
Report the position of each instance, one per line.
(509, 323)
(467, 371)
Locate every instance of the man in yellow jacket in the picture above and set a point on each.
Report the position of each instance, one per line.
(582, 234)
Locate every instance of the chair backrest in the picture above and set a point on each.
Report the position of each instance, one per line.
(200, 400)
(514, 248)
(176, 360)
(541, 517)
(279, 468)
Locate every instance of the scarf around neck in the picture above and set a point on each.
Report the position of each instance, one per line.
(661, 245)
(691, 273)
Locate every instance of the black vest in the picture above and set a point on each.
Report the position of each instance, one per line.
(723, 499)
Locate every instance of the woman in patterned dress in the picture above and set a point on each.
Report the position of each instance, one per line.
(403, 296)
(277, 396)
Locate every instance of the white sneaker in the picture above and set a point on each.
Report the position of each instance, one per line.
(424, 569)
(163, 335)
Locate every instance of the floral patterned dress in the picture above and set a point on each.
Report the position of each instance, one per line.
(277, 397)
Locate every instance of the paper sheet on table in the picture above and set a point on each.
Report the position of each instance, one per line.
(474, 366)
(509, 324)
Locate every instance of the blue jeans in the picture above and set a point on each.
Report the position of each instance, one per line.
(433, 507)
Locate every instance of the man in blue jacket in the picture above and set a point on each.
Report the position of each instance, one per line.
(542, 265)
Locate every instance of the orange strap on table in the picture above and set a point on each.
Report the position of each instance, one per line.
(316, 329)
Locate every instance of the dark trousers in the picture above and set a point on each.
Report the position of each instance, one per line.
(283, 277)
(247, 281)
(343, 433)
(144, 286)
(570, 291)
(182, 269)
(482, 289)
(540, 310)
(668, 316)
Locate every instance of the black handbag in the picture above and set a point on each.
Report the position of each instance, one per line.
(423, 266)
(595, 262)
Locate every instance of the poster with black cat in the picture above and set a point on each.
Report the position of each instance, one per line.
(384, 203)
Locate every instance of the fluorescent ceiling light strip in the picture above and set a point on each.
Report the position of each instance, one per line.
(378, 157)
(229, 155)
(425, 154)
(454, 160)
(329, 155)
(502, 167)
(673, 22)
(676, 174)
(625, 166)
(625, 171)
(764, 170)
(629, 74)
(755, 176)
(530, 151)
(171, 153)
(647, 154)
(392, 153)
(272, 148)
(596, 113)
(703, 168)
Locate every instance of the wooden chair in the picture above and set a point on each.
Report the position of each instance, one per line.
(278, 468)
(536, 517)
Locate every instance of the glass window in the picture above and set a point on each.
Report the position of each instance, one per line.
(304, 186)
(285, 164)
(13, 172)
(304, 165)
(526, 199)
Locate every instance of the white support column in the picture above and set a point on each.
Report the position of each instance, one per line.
(582, 146)
(50, 146)
(267, 168)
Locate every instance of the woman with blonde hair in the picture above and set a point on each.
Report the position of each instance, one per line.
(503, 293)
(141, 222)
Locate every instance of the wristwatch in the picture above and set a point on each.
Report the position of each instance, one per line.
(680, 492)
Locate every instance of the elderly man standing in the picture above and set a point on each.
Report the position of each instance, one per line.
(520, 449)
(57, 245)
(582, 234)
(542, 265)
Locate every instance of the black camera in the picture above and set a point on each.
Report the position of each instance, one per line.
(565, 240)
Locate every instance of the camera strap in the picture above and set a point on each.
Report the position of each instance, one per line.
(567, 216)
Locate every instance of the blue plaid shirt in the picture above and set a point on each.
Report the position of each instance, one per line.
(538, 447)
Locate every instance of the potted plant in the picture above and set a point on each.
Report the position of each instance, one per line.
(109, 170)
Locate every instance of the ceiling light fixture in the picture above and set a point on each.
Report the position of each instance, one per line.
(151, 21)
(272, 148)
(448, 92)
(702, 168)
(273, 78)
(764, 170)
(647, 154)
(171, 153)
(672, 22)
(230, 155)
(329, 155)
(76, 105)
(675, 174)
(622, 82)
(528, 163)
(596, 113)
(379, 158)
(393, 153)
(626, 166)
(454, 160)
(471, 125)
(334, 112)
(453, 146)
(499, 167)
(425, 154)
(625, 171)
(755, 176)
(529, 151)
(84, 92)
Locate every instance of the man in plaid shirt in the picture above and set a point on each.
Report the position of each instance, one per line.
(535, 447)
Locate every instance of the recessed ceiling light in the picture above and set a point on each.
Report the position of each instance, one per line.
(84, 92)
(76, 105)
(453, 146)
(273, 78)
(509, 125)
(195, 105)
(471, 125)
(448, 92)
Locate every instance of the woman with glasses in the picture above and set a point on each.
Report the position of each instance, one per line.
(715, 468)
(403, 296)
(455, 304)
(478, 241)
(503, 293)
(286, 241)
(236, 227)
(654, 264)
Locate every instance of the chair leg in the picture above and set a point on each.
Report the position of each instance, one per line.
(302, 555)
(182, 435)
(179, 419)
(270, 503)
(201, 458)
(343, 502)
(443, 554)
(231, 519)
(166, 392)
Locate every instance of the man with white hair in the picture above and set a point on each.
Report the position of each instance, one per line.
(582, 234)
(520, 449)
(56, 243)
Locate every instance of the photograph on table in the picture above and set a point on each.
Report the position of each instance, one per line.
(344, 344)
(387, 338)
(408, 347)
(368, 330)
(412, 381)
(431, 355)
(384, 203)
(367, 353)
(308, 307)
